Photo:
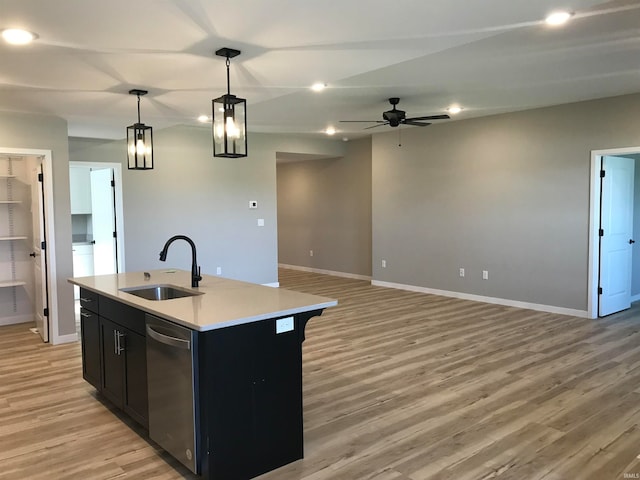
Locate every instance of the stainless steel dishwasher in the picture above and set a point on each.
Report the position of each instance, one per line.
(171, 350)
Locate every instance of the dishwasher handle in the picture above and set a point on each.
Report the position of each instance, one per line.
(168, 340)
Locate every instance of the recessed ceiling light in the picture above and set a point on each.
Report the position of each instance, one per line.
(330, 131)
(17, 36)
(454, 109)
(558, 18)
(318, 87)
(203, 118)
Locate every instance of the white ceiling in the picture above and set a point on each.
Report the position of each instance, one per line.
(490, 56)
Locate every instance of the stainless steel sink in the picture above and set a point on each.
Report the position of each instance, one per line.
(160, 292)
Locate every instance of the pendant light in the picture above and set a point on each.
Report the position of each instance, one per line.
(139, 141)
(229, 118)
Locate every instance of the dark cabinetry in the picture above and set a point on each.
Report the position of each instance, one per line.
(90, 336)
(135, 396)
(246, 381)
(112, 372)
(114, 353)
(251, 401)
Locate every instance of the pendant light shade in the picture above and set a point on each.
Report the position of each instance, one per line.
(139, 141)
(229, 114)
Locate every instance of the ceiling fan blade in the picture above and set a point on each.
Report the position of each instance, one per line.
(431, 117)
(417, 124)
(361, 121)
(374, 126)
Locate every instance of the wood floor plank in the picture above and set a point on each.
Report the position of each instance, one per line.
(397, 386)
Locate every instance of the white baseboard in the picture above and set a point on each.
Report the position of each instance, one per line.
(16, 319)
(272, 284)
(58, 339)
(325, 272)
(480, 298)
(635, 298)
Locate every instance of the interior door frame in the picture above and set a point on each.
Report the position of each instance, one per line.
(594, 224)
(50, 236)
(117, 175)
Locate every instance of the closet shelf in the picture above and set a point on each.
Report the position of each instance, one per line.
(15, 237)
(11, 283)
(10, 201)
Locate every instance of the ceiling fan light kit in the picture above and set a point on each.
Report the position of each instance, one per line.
(229, 115)
(139, 141)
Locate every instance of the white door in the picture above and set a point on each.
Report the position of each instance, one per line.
(39, 254)
(103, 222)
(616, 235)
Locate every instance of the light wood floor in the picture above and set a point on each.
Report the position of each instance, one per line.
(397, 386)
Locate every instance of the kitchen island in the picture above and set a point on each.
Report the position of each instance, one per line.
(235, 375)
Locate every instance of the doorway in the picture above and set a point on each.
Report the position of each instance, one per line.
(611, 236)
(96, 218)
(27, 247)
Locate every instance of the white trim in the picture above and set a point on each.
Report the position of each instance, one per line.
(480, 298)
(594, 224)
(635, 298)
(16, 319)
(117, 174)
(272, 284)
(325, 272)
(47, 185)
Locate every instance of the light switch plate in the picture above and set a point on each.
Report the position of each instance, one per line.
(284, 325)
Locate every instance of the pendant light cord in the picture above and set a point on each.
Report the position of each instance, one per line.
(138, 108)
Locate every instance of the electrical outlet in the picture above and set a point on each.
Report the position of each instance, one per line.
(485, 274)
(384, 263)
(253, 204)
(261, 222)
(284, 325)
(218, 270)
(311, 253)
(462, 272)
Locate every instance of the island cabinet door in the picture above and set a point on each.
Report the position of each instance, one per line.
(250, 400)
(112, 336)
(91, 361)
(124, 370)
(136, 402)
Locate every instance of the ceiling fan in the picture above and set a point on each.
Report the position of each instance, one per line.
(395, 117)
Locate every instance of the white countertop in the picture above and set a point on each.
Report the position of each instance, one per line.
(224, 302)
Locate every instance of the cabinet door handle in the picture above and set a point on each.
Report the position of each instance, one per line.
(119, 347)
(115, 342)
(85, 315)
(82, 299)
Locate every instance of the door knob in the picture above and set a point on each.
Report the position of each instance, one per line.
(631, 241)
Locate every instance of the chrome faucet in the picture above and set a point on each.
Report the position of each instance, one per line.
(195, 269)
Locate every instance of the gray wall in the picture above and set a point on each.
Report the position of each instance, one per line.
(189, 192)
(27, 131)
(325, 206)
(508, 194)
